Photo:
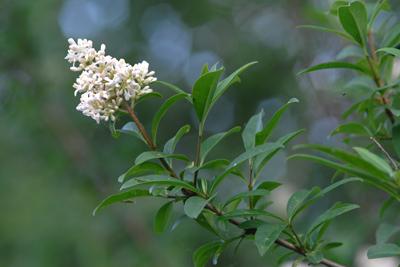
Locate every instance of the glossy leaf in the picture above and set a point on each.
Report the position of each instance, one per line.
(374, 159)
(206, 252)
(162, 217)
(243, 195)
(141, 169)
(208, 144)
(120, 197)
(194, 205)
(353, 18)
(253, 126)
(266, 235)
(296, 201)
(203, 92)
(161, 113)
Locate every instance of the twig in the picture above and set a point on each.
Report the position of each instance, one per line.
(392, 161)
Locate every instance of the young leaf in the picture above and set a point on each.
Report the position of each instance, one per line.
(228, 81)
(204, 253)
(374, 159)
(390, 50)
(174, 88)
(335, 65)
(315, 257)
(194, 205)
(203, 92)
(296, 201)
(208, 144)
(266, 235)
(383, 250)
(242, 195)
(265, 133)
(150, 155)
(169, 147)
(120, 197)
(336, 210)
(385, 232)
(162, 217)
(253, 126)
(161, 112)
(157, 180)
(141, 169)
(353, 18)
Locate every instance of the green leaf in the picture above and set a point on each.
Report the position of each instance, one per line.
(141, 169)
(174, 88)
(150, 155)
(336, 210)
(385, 232)
(383, 250)
(157, 180)
(328, 30)
(269, 185)
(253, 126)
(268, 147)
(374, 159)
(170, 146)
(120, 197)
(204, 253)
(242, 195)
(335, 6)
(194, 205)
(208, 144)
(228, 81)
(352, 128)
(147, 96)
(392, 38)
(243, 213)
(335, 65)
(390, 50)
(265, 133)
(296, 201)
(350, 51)
(203, 92)
(131, 129)
(353, 18)
(315, 257)
(161, 113)
(162, 217)
(380, 5)
(266, 235)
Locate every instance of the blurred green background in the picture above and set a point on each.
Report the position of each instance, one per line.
(56, 165)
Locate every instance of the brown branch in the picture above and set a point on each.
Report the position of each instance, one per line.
(280, 242)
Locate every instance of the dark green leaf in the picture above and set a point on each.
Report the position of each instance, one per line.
(157, 180)
(383, 250)
(203, 92)
(374, 159)
(353, 18)
(162, 217)
(131, 129)
(335, 65)
(141, 169)
(212, 141)
(265, 133)
(266, 236)
(241, 196)
(150, 155)
(147, 96)
(315, 257)
(296, 201)
(161, 113)
(204, 253)
(396, 139)
(170, 146)
(174, 88)
(194, 205)
(240, 213)
(120, 197)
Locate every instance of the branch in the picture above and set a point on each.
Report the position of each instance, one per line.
(280, 242)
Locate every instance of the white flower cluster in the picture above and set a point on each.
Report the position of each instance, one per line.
(106, 82)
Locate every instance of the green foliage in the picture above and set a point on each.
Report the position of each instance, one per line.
(162, 217)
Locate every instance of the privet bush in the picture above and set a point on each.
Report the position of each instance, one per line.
(110, 88)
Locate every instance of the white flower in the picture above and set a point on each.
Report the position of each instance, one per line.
(106, 82)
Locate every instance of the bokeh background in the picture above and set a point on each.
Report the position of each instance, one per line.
(56, 165)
